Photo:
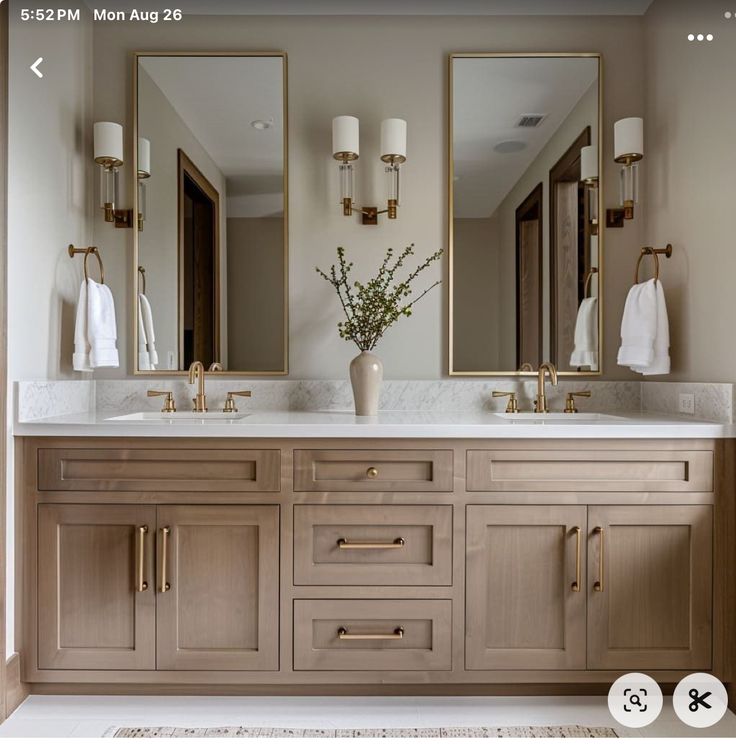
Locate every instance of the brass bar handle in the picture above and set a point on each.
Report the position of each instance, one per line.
(578, 539)
(371, 473)
(598, 585)
(165, 532)
(345, 635)
(397, 544)
(140, 583)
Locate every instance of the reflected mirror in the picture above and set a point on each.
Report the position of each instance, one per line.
(524, 204)
(211, 243)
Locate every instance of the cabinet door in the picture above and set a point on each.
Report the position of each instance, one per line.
(94, 612)
(525, 587)
(218, 587)
(649, 587)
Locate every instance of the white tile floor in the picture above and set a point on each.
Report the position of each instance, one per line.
(90, 716)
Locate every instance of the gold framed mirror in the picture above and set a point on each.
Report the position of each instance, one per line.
(210, 256)
(525, 244)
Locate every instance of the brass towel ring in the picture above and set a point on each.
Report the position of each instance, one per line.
(142, 272)
(593, 270)
(92, 250)
(655, 253)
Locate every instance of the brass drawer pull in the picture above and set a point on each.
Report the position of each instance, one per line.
(141, 584)
(371, 473)
(343, 544)
(344, 635)
(165, 532)
(578, 537)
(598, 585)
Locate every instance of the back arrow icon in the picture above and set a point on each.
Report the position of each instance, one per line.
(35, 65)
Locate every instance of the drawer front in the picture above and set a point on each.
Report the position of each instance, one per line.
(590, 470)
(158, 470)
(364, 635)
(373, 545)
(373, 470)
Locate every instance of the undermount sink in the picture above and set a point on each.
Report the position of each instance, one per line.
(188, 417)
(567, 418)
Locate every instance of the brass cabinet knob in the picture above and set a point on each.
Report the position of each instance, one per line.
(371, 473)
(230, 400)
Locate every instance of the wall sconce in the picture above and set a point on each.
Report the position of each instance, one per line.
(346, 149)
(108, 152)
(628, 137)
(589, 177)
(144, 172)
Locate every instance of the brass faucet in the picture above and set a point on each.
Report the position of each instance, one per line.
(540, 404)
(196, 373)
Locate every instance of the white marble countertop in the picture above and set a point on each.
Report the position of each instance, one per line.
(388, 424)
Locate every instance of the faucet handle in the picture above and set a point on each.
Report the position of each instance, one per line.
(513, 404)
(230, 400)
(570, 402)
(169, 405)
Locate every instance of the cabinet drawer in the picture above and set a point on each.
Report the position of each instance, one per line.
(363, 635)
(373, 545)
(373, 470)
(590, 470)
(158, 470)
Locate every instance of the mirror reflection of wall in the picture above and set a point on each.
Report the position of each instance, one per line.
(523, 238)
(213, 238)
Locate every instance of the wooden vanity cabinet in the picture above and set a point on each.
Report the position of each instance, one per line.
(637, 582)
(207, 602)
(525, 582)
(90, 612)
(339, 563)
(651, 587)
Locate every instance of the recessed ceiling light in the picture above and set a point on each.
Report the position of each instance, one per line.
(510, 146)
(261, 124)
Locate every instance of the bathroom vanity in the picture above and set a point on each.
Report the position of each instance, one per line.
(281, 551)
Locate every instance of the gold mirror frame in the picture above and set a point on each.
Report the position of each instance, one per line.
(451, 211)
(134, 296)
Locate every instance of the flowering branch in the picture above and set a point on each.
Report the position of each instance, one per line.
(371, 308)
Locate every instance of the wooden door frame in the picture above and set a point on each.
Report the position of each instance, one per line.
(185, 166)
(535, 200)
(557, 172)
(3, 346)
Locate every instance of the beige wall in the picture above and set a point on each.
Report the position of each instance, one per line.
(401, 63)
(159, 247)
(255, 310)
(478, 323)
(689, 170)
(50, 177)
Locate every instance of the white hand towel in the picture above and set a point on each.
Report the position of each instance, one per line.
(101, 327)
(660, 364)
(80, 358)
(585, 353)
(639, 326)
(148, 325)
(144, 361)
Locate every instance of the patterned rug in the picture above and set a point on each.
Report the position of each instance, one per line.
(236, 732)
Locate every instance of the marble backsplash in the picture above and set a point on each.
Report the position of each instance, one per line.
(34, 400)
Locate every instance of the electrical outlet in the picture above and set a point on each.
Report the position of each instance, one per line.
(687, 403)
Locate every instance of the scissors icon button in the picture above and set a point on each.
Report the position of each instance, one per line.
(698, 700)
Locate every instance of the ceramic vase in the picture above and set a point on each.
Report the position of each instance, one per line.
(366, 375)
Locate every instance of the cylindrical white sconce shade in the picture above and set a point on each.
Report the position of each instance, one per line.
(589, 164)
(108, 146)
(345, 138)
(144, 157)
(393, 140)
(628, 139)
